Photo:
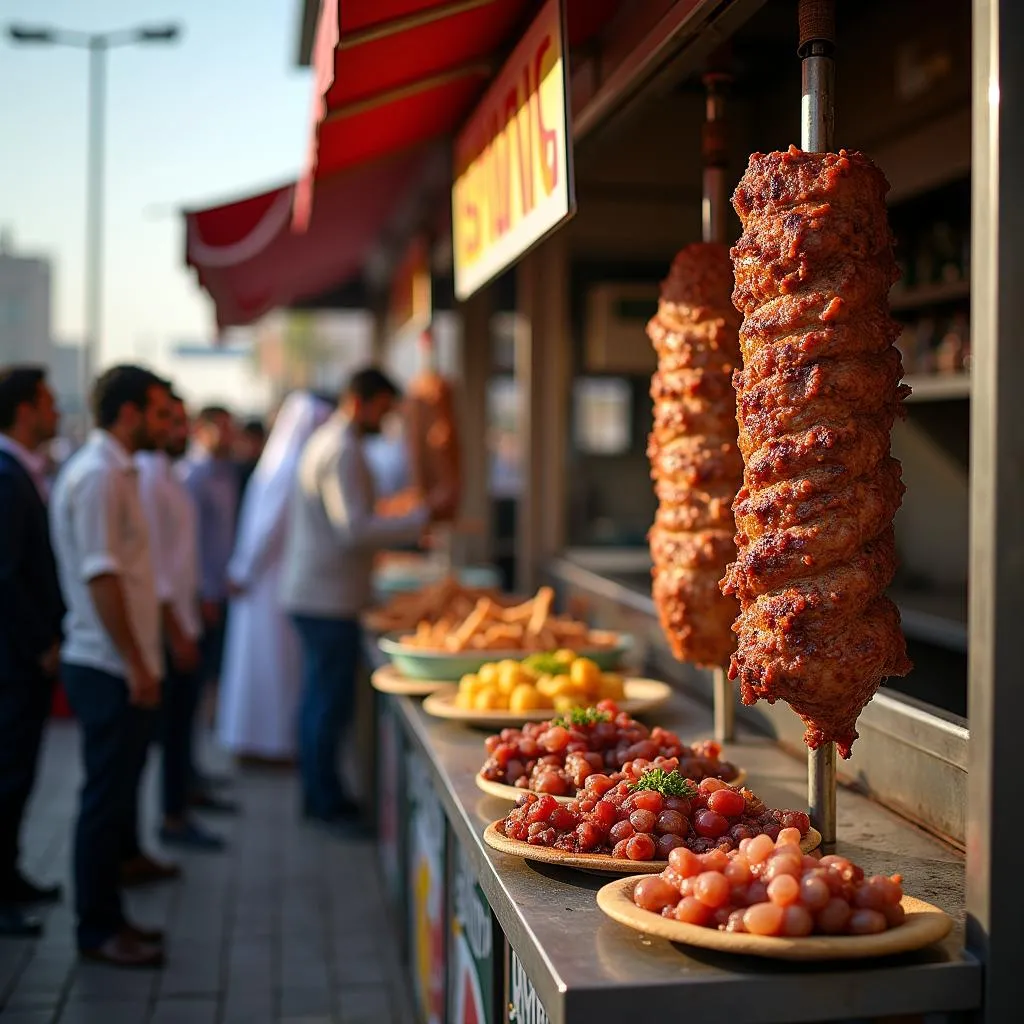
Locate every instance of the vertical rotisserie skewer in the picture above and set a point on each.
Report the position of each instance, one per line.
(817, 398)
(695, 461)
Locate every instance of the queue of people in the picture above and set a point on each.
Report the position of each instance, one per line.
(158, 570)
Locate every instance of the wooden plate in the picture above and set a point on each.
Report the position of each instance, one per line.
(506, 792)
(924, 925)
(389, 680)
(605, 863)
(642, 695)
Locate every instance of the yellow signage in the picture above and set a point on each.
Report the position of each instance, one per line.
(513, 159)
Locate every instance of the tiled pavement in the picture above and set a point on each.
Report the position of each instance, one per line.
(287, 927)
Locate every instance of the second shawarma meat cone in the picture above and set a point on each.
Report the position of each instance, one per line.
(435, 456)
(432, 443)
(816, 400)
(695, 462)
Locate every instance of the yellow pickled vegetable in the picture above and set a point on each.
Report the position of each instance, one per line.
(509, 674)
(489, 699)
(585, 675)
(526, 698)
(471, 683)
(547, 686)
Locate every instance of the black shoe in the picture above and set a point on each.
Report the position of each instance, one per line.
(193, 837)
(150, 936)
(205, 801)
(344, 810)
(125, 950)
(144, 870)
(22, 892)
(203, 780)
(339, 827)
(14, 924)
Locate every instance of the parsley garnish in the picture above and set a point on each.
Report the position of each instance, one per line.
(665, 783)
(582, 716)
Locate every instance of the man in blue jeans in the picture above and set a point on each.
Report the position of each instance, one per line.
(333, 534)
(171, 519)
(112, 660)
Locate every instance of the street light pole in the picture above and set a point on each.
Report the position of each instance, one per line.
(98, 45)
(94, 211)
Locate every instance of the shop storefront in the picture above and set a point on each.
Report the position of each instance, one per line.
(583, 225)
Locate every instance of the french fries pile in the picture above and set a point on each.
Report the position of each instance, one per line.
(559, 681)
(491, 626)
(445, 600)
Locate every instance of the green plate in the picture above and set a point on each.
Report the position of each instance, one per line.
(415, 663)
(387, 584)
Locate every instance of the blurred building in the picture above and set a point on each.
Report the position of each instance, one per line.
(25, 335)
(225, 374)
(312, 349)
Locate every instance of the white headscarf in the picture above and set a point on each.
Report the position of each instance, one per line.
(264, 509)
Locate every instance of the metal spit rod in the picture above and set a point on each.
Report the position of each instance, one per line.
(715, 155)
(817, 132)
(713, 216)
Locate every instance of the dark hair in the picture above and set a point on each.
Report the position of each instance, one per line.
(209, 413)
(121, 386)
(18, 385)
(369, 384)
(254, 428)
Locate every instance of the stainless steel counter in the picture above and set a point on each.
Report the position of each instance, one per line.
(910, 756)
(587, 969)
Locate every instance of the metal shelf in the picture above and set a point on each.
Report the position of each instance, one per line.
(938, 387)
(930, 295)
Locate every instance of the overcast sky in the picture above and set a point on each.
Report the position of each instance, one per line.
(221, 114)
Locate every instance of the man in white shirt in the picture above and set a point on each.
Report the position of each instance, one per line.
(112, 660)
(333, 535)
(30, 625)
(171, 519)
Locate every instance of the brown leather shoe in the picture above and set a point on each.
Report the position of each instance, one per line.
(150, 936)
(144, 870)
(123, 950)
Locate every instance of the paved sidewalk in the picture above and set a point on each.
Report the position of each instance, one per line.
(287, 927)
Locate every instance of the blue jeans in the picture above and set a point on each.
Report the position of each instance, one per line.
(179, 703)
(330, 659)
(115, 738)
(25, 699)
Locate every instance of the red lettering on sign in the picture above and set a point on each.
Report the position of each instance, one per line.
(548, 136)
(472, 212)
(524, 139)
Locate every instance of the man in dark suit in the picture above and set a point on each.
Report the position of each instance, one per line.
(30, 624)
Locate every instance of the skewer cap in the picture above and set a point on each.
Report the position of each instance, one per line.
(817, 20)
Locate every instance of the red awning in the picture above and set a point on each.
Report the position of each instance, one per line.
(250, 261)
(393, 73)
(389, 75)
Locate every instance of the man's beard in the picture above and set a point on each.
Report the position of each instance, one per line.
(176, 450)
(144, 440)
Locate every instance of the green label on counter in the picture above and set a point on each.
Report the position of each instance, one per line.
(389, 809)
(471, 988)
(522, 1004)
(427, 904)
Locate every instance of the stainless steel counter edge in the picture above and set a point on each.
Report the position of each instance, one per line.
(586, 967)
(909, 757)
